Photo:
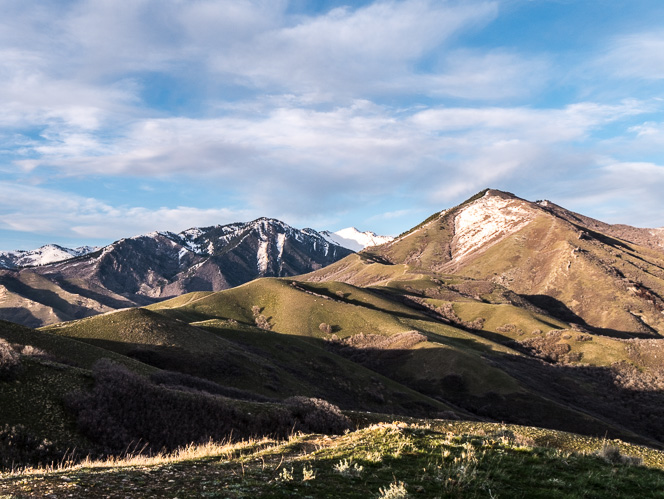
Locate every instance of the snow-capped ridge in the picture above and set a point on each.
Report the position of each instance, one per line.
(353, 239)
(49, 253)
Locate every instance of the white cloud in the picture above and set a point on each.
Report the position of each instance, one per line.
(639, 55)
(321, 160)
(286, 107)
(61, 214)
(353, 52)
(619, 192)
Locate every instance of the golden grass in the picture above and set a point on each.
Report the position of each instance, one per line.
(224, 450)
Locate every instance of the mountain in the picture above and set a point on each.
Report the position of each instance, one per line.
(49, 253)
(355, 240)
(142, 269)
(609, 278)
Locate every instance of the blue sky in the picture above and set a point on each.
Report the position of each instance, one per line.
(119, 118)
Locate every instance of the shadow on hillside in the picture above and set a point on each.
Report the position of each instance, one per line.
(579, 399)
(284, 367)
(46, 297)
(596, 401)
(557, 309)
(19, 315)
(106, 300)
(378, 294)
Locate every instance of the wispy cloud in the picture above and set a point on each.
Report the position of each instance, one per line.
(60, 214)
(638, 55)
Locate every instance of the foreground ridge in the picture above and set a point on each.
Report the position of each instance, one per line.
(392, 459)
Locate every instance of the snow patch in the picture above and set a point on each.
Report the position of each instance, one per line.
(281, 239)
(487, 221)
(354, 239)
(49, 253)
(182, 252)
(262, 256)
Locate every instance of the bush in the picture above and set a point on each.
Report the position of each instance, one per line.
(19, 449)
(263, 322)
(611, 454)
(10, 361)
(125, 409)
(317, 416)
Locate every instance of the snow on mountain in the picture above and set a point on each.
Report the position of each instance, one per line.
(49, 253)
(487, 221)
(355, 240)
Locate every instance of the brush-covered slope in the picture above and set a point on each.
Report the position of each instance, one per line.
(38, 370)
(142, 269)
(62, 400)
(237, 354)
(577, 269)
(470, 344)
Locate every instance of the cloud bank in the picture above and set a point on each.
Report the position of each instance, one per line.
(373, 112)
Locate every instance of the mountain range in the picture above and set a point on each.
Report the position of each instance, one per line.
(54, 284)
(496, 310)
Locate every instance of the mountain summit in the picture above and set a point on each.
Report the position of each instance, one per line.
(354, 239)
(44, 255)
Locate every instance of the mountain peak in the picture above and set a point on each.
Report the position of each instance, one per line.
(499, 194)
(355, 239)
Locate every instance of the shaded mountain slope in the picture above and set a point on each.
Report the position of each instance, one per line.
(242, 356)
(143, 269)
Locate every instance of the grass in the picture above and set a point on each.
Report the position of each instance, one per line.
(388, 460)
(548, 258)
(239, 355)
(35, 401)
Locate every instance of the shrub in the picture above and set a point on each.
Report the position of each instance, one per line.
(611, 454)
(345, 468)
(263, 322)
(396, 490)
(10, 361)
(19, 448)
(125, 409)
(30, 351)
(317, 415)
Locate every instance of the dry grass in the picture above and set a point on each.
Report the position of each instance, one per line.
(225, 450)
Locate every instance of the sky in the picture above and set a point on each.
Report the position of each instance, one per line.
(120, 118)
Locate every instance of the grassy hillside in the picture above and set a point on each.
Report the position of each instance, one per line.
(589, 281)
(474, 353)
(240, 355)
(385, 460)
